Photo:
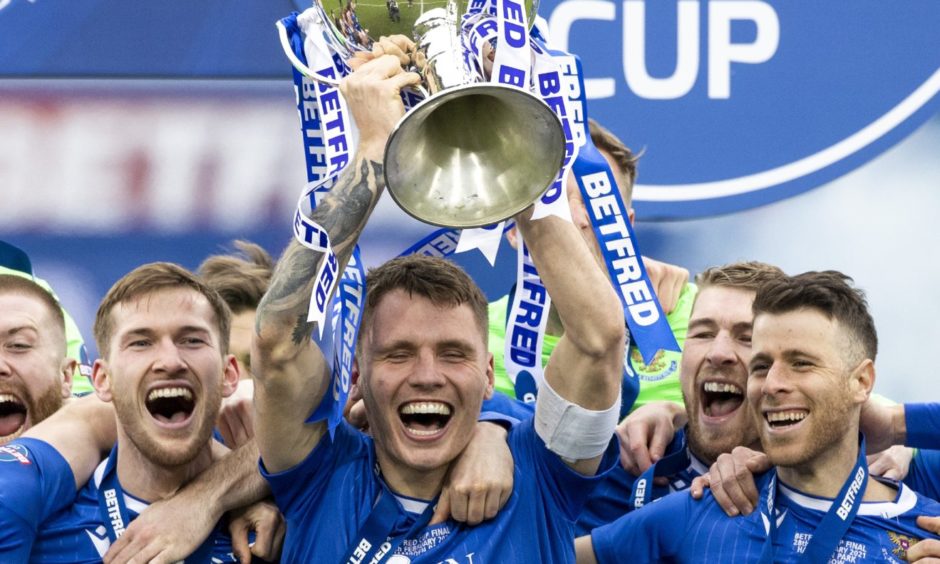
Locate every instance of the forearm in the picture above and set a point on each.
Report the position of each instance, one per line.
(81, 431)
(281, 324)
(232, 481)
(588, 307)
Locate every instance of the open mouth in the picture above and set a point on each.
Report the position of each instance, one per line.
(171, 405)
(424, 418)
(720, 399)
(13, 414)
(785, 419)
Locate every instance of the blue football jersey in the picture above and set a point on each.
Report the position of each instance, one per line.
(611, 498)
(923, 425)
(680, 529)
(77, 533)
(35, 482)
(327, 498)
(923, 476)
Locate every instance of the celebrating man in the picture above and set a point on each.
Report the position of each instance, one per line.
(424, 371)
(811, 371)
(164, 336)
(713, 377)
(35, 374)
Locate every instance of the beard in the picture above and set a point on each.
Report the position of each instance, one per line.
(46, 404)
(827, 428)
(37, 408)
(162, 451)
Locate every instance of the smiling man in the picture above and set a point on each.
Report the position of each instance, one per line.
(424, 371)
(811, 370)
(163, 336)
(35, 374)
(713, 376)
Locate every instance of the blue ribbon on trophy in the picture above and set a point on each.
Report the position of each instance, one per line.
(329, 139)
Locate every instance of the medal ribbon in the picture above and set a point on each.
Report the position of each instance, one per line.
(834, 524)
(330, 138)
(115, 516)
(377, 538)
(670, 465)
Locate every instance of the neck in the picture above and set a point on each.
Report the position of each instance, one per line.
(411, 482)
(146, 480)
(824, 475)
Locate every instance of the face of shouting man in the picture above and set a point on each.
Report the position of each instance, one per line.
(35, 375)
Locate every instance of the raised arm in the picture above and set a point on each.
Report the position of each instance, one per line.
(288, 368)
(586, 366)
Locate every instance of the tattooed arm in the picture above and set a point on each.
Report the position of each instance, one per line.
(290, 373)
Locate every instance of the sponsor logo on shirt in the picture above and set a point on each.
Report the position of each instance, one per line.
(14, 453)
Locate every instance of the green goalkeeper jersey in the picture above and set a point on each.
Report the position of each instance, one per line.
(659, 381)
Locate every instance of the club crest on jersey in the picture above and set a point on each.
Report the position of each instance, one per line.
(658, 369)
(14, 453)
(902, 543)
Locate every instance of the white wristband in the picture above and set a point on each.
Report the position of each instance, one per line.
(571, 431)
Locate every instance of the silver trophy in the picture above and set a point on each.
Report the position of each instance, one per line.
(473, 152)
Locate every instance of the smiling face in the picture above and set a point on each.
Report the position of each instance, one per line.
(714, 372)
(803, 391)
(424, 372)
(166, 373)
(35, 376)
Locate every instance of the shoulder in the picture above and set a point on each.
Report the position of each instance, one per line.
(34, 479)
(347, 452)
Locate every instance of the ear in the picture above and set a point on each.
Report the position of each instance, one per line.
(67, 369)
(632, 215)
(230, 375)
(862, 381)
(101, 380)
(490, 376)
(354, 373)
(512, 235)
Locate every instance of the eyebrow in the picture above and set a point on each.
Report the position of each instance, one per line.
(148, 332)
(709, 323)
(21, 328)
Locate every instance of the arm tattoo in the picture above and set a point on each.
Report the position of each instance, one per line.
(343, 214)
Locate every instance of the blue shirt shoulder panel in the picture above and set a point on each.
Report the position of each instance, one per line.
(35, 482)
(923, 476)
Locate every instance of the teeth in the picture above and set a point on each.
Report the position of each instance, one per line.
(170, 393)
(721, 387)
(4, 398)
(425, 407)
(421, 433)
(781, 416)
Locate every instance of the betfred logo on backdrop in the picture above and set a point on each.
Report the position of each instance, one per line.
(739, 103)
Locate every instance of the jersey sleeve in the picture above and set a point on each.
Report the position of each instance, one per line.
(35, 482)
(924, 474)
(298, 487)
(562, 487)
(650, 534)
(503, 409)
(923, 425)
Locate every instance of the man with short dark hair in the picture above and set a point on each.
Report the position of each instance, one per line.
(811, 370)
(424, 371)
